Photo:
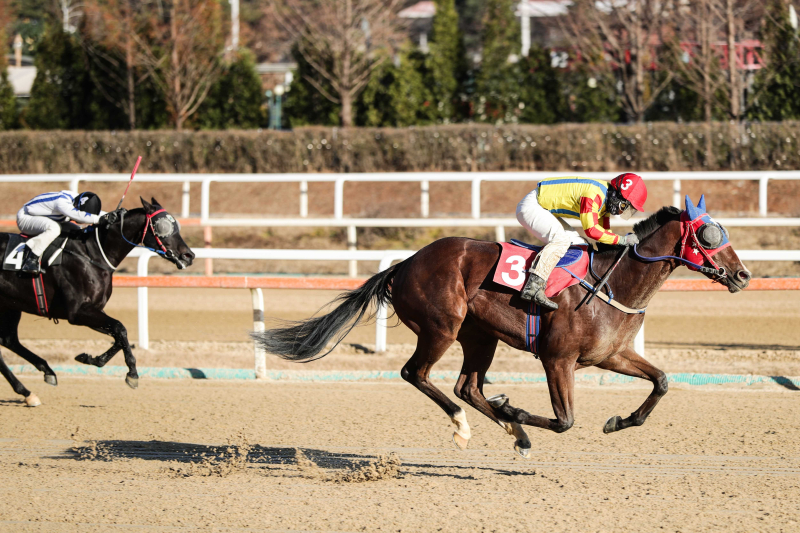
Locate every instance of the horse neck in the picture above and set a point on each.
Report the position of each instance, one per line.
(635, 282)
(115, 247)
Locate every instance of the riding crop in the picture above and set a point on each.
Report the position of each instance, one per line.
(603, 281)
(135, 168)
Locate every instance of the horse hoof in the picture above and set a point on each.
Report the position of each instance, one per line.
(32, 400)
(525, 453)
(460, 441)
(497, 401)
(612, 424)
(84, 358)
(132, 382)
(51, 379)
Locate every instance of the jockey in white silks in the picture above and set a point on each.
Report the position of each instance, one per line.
(591, 201)
(42, 219)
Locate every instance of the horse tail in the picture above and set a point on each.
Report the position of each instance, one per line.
(302, 341)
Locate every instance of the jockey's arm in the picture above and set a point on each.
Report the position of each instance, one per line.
(596, 228)
(65, 207)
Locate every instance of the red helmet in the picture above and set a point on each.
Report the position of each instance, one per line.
(632, 188)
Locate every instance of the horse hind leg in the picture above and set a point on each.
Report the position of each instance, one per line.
(478, 355)
(416, 371)
(9, 337)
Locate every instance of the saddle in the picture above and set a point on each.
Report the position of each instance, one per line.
(15, 250)
(516, 258)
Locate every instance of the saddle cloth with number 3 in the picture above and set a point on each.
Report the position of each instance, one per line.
(514, 262)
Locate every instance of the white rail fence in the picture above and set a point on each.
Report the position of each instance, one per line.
(385, 257)
(423, 178)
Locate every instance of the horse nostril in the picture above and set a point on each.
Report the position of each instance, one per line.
(743, 275)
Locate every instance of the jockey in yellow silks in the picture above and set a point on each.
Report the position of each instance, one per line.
(591, 201)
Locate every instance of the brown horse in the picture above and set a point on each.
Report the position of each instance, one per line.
(445, 293)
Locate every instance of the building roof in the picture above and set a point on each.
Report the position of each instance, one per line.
(543, 8)
(21, 79)
(420, 10)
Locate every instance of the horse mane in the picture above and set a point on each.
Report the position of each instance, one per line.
(647, 226)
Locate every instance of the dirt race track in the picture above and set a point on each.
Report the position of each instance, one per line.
(199, 455)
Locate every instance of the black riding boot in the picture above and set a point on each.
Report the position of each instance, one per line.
(31, 263)
(534, 290)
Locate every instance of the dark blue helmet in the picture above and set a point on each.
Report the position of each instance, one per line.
(88, 202)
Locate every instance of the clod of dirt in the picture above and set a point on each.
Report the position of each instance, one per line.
(92, 451)
(229, 460)
(385, 467)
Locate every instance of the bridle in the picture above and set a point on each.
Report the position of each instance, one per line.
(701, 237)
(161, 227)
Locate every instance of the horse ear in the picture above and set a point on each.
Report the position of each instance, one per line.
(154, 201)
(701, 205)
(149, 208)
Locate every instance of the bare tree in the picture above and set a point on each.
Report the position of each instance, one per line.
(343, 40)
(183, 54)
(110, 40)
(628, 33)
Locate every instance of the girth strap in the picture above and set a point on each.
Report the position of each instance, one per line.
(41, 297)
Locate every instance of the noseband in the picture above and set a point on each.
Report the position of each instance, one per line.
(701, 239)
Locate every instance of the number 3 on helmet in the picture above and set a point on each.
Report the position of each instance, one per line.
(632, 188)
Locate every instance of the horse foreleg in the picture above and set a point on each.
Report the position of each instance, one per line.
(631, 363)
(31, 400)
(417, 372)
(102, 323)
(9, 337)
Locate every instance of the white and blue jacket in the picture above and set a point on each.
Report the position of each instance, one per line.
(58, 206)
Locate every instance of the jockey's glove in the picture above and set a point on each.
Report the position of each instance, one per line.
(628, 240)
(113, 217)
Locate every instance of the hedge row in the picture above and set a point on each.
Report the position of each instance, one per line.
(580, 147)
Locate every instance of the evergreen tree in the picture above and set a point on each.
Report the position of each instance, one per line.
(304, 104)
(445, 60)
(235, 100)
(589, 95)
(540, 88)
(411, 100)
(497, 84)
(8, 102)
(62, 92)
(776, 86)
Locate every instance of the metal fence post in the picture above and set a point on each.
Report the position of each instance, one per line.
(258, 327)
(424, 200)
(500, 233)
(762, 195)
(352, 245)
(676, 194)
(185, 200)
(205, 187)
(638, 342)
(207, 235)
(338, 198)
(141, 297)
(303, 199)
(476, 198)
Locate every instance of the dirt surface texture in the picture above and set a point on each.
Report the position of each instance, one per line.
(185, 455)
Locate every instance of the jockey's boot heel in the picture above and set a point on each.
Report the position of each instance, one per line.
(534, 291)
(31, 263)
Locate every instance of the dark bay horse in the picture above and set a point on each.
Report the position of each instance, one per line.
(445, 293)
(79, 288)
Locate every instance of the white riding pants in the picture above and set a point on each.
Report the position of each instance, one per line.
(43, 230)
(556, 234)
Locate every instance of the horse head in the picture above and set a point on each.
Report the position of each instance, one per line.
(705, 246)
(162, 233)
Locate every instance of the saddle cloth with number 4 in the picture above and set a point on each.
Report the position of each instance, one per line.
(15, 250)
(516, 258)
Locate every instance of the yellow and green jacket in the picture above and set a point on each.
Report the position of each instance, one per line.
(580, 198)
